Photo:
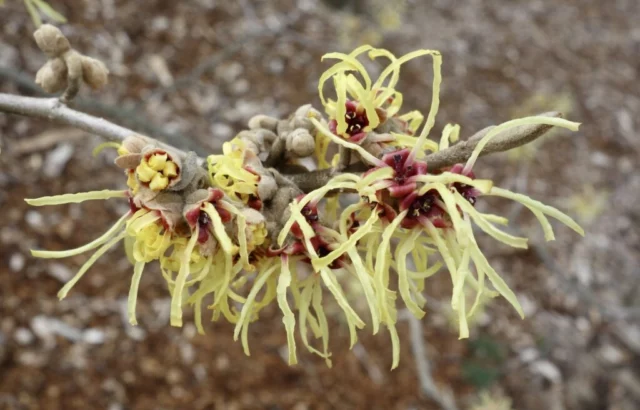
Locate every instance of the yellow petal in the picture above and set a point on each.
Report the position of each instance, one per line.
(159, 182)
(145, 172)
(158, 161)
(170, 169)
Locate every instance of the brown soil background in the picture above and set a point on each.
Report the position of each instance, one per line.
(192, 74)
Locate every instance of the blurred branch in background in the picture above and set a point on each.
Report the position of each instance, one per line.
(444, 399)
(131, 118)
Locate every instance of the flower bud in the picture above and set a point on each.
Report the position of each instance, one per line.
(52, 77)
(134, 144)
(300, 143)
(267, 187)
(263, 121)
(94, 72)
(51, 40)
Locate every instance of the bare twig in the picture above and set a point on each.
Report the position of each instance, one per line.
(456, 154)
(53, 109)
(509, 139)
(127, 117)
(423, 368)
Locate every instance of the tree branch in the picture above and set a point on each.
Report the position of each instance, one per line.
(125, 116)
(509, 139)
(459, 153)
(53, 109)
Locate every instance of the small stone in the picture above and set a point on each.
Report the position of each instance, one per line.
(240, 87)
(600, 159)
(151, 367)
(16, 262)
(57, 159)
(547, 370)
(529, 306)
(32, 359)
(34, 219)
(46, 327)
(612, 354)
(94, 336)
(60, 272)
(222, 362)
(200, 372)
(187, 352)
(230, 72)
(276, 65)
(66, 228)
(23, 336)
(221, 131)
(174, 376)
(529, 354)
(136, 333)
(189, 331)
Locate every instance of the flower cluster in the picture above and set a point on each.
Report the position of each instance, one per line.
(242, 235)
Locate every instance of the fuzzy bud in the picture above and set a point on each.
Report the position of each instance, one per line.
(263, 121)
(189, 170)
(301, 118)
(252, 216)
(94, 72)
(300, 143)
(267, 187)
(128, 161)
(134, 144)
(52, 77)
(51, 40)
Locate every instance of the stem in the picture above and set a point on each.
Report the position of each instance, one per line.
(509, 139)
(53, 109)
(459, 153)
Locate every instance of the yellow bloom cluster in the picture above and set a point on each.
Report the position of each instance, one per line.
(230, 173)
(157, 170)
(213, 235)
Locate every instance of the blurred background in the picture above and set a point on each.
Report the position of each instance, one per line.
(192, 73)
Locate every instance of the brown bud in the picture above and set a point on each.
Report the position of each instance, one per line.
(134, 144)
(189, 169)
(128, 161)
(52, 77)
(283, 128)
(252, 216)
(308, 111)
(94, 72)
(266, 187)
(263, 121)
(51, 40)
(301, 118)
(300, 143)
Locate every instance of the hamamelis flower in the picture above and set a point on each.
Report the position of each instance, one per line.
(362, 105)
(232, 172)
(435, 210)
(230, 237)
(157, 169)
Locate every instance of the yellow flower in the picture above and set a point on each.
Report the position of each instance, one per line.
(157, 170)
(433, 210)
(362, 105)
(229, 172)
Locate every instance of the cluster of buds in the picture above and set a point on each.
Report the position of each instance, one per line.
(65, 67)
(238, 228)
